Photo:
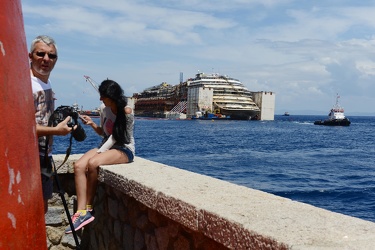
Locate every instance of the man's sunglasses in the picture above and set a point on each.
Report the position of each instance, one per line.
(42, 54)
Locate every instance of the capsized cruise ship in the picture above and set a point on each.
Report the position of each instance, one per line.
(221, 94)
(158, 100)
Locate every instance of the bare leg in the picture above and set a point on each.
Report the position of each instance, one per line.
(112, 156)
(80, 170)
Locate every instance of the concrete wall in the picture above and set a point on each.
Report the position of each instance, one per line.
(148, 205)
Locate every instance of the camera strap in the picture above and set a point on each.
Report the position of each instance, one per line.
(68, 150)
(67, 154)
(46, 158)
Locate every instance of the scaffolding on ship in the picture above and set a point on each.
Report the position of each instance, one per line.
(178, 111)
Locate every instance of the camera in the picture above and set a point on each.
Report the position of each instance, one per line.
(60, 115)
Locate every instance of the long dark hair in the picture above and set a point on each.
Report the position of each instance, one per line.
(112, 90)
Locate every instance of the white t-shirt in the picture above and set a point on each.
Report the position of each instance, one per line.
(44, 105)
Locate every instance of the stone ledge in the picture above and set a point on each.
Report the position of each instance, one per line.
(235, 216)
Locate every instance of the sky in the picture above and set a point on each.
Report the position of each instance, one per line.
(304, 51)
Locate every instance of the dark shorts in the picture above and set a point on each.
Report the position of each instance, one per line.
(126, 151)
(47, 187)
(47, 181)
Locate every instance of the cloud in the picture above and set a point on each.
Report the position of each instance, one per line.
(127, 22)
(304, 51)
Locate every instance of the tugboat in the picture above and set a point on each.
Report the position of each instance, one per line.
(336, 116)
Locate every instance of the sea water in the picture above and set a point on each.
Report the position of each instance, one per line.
(328, 167)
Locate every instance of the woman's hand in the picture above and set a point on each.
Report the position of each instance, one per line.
(86, 119)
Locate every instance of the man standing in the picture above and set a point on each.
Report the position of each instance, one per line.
(43, 57)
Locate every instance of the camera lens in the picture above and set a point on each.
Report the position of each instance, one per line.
(79, 133)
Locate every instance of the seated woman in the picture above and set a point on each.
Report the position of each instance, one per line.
(116, 125)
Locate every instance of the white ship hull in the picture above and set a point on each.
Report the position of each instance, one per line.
(229, 96)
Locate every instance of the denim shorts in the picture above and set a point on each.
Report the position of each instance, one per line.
(126, 151)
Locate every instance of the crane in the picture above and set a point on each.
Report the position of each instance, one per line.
(92, 82)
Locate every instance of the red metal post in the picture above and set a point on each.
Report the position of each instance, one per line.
(22, 224)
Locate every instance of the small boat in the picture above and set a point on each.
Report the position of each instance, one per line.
(336, 116)
(286, 114)
(204, 115)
